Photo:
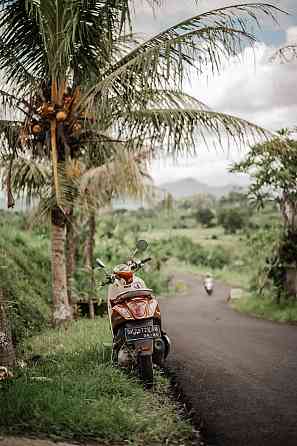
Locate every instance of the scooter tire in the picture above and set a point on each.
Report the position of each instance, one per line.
(145, 367)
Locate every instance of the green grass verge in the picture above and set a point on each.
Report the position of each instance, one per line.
(266, 308)
(75, 393)
(25, 277)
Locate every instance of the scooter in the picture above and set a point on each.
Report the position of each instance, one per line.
(208, 285)
(135, 318)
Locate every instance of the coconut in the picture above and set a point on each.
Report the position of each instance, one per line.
(77, 127)
(36, 129)
(61, 116)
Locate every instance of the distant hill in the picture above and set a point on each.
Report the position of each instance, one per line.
(189, 186)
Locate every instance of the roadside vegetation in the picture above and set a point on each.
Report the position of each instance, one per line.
(265, 307)
(25, 275)
(69, 390)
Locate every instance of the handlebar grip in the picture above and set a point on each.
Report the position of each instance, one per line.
(109, 281)
(148, 259)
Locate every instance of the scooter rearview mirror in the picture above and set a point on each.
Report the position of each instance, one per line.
(99, 263)
(141, 245)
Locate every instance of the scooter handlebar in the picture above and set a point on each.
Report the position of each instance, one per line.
(108, 281)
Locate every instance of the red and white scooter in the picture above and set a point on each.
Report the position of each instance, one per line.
(135, 318)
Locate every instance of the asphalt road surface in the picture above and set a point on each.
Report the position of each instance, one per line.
(238, 373)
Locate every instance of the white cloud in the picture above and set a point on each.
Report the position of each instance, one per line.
(253, 89)
(172, 11)
(291, 34)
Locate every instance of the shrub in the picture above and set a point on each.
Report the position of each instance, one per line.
(205, 216)
(232, 219)
(218, 258)
(199, 256)
(25, 279)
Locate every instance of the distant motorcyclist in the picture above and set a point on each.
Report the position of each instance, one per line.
(208, 283)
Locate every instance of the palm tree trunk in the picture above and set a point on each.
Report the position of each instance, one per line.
(62, 310)
(89, 259)
(71, 249)
(7, 352)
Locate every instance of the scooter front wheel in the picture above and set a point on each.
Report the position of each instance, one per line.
(145, 367)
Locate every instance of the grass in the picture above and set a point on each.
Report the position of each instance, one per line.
(230, 275)
(203, 236)
(73, 392)
(266, 308)
(25, 278)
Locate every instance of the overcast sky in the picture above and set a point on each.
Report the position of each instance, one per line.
(253, 89)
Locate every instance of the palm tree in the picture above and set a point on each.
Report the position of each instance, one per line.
(124, 176)
(93, 188)
(71, 75)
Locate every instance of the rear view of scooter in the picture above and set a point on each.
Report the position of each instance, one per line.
(208, 284)
(135, 318)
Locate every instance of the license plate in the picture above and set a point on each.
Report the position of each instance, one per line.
(148, 332)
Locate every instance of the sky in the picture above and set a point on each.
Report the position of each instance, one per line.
(252, 87)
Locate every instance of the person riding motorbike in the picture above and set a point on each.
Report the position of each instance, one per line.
(208, 283)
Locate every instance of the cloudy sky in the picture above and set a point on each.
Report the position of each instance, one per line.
(253, 89)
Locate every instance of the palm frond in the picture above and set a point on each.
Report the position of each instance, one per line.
(78, 34)
(286, 54)
(179, 130)
(21, 51)
(29, 178)
(203, 41)
(13, 107)
(123, 176)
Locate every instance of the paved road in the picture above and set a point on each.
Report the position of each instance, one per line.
(238, 373)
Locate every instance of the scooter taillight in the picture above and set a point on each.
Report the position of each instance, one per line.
(138, 308)
(126, 275)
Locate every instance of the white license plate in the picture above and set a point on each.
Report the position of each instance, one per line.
(146, 332)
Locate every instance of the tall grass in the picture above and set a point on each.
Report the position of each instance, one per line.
(24, 276)
(266, 308)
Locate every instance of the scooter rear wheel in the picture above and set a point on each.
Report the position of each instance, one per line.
(145, 367)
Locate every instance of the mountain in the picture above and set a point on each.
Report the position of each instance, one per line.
(189, 186)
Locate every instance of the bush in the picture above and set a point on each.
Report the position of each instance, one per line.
(232, 219)
(218, 258)
(198, 256)
(205, 216)
(26, 280)
(185, 250)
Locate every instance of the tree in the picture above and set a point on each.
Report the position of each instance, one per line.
(95, 188)
(78, 80)
(234, 198)
(273, 169)
(232, 219)
(205, 216)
